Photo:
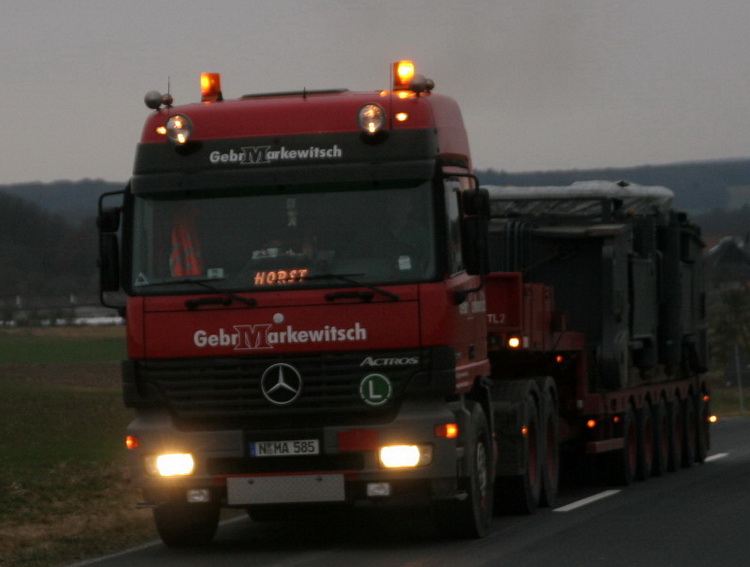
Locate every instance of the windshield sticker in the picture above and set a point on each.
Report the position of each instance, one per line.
(404, 263)
(264, 155)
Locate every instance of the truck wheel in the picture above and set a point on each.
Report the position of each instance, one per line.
(520, 494)
(550, 446)
(623, 463)
(661, 438)
(186, 525)
(472, 516)
(645, 443)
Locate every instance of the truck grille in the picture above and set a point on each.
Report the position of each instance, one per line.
(227, 392)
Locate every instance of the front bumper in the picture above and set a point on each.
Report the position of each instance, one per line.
(345, 471)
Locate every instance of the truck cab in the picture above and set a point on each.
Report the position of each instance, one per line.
(305, 315)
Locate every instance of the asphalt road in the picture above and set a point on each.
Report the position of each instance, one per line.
(697, 516)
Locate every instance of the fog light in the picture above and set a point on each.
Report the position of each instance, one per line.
(405, 456)
(173, 464)
(198, 495)
(378, 489)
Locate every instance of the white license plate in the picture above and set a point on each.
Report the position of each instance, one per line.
(288, 448)
(285, 489)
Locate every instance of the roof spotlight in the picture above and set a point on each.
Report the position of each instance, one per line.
(179, 129)
(371, 118)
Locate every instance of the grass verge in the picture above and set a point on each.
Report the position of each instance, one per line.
(64, 491)
(726, 402)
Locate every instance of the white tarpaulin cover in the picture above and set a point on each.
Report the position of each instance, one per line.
(579, 198)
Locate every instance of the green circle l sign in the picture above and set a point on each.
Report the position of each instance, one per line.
(375, 389)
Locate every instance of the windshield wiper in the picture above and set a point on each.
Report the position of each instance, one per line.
(350, 278)
(193, 303)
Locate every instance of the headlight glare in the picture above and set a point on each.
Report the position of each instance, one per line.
(405, 456)
(170, 464)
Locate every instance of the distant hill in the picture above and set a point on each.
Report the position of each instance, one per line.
(42, 254)
(75, 201)
(699, 187)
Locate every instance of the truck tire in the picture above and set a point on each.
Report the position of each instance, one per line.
(622, 464)
(471, 517)
(676, 435)
(186, 525)
(660, 418)
(550, 423)
(520, 494)
(645, 443)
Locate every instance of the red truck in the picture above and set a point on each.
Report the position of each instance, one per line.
(325, 309)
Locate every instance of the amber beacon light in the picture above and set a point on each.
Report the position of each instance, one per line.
(403, 75)
(406, 78)
(211, 87)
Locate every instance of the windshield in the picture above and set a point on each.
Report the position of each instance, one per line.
(247, 241)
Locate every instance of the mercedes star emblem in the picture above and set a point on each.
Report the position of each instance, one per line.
(281, 384)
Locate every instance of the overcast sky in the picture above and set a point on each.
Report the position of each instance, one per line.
(543, 84)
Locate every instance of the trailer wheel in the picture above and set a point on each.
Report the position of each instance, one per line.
(550, 445)
(690, 427)
(623, 463)
(645, 443)
(186, 525)
(471, 517)
(520, 494)
(676, 435)
(703, 437)
(661, 438)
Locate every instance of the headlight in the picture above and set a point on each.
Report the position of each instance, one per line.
(405, 456)
(179, 129)
(172, 464)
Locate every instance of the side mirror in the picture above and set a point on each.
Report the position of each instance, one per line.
(476, 202)
(109, 262)
(109, 220)
(475, 206)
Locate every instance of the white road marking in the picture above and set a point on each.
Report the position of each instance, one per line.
(608, 493)
(587, 501)
(716, 457)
